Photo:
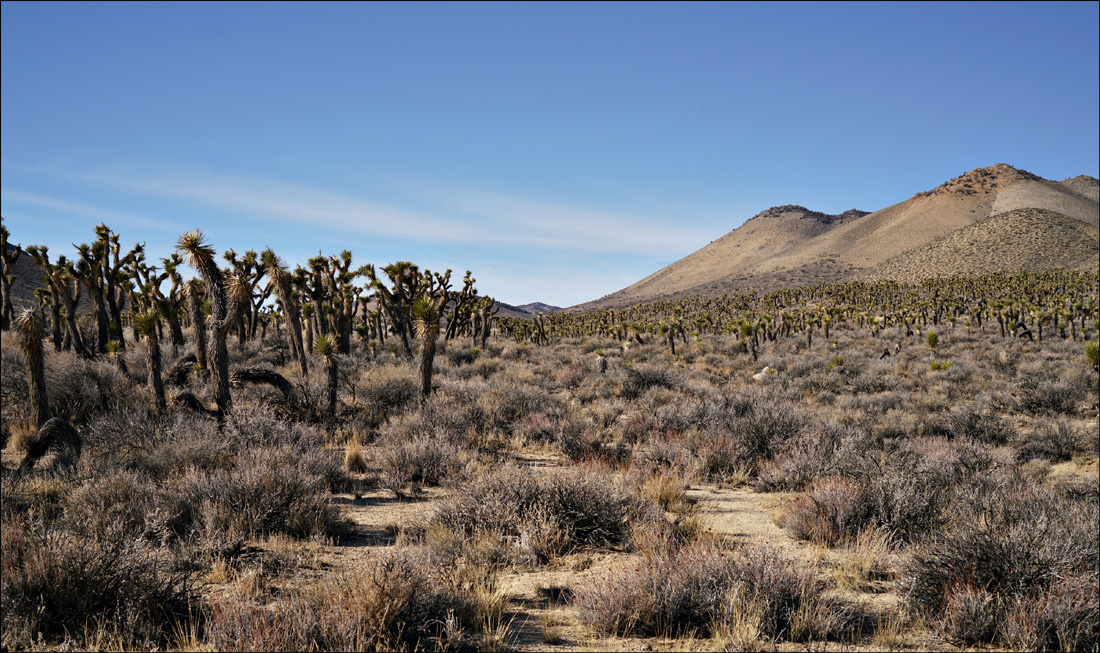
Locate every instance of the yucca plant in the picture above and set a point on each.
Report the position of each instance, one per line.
(1092, 354)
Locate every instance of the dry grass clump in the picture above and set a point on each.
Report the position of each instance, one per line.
(402, 603)
(420, 460)
(547, 515)
(710, 591)
(867, 562)
(833, 510)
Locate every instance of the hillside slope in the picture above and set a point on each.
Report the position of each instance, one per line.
(1033, 239)
(792, 246)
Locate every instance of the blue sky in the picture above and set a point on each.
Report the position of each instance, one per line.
(559, 151)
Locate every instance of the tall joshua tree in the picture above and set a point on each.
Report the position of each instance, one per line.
(325, 348)
(41, 257)
(277, 271)
(200, 255)
(198, 322)
(7, 263)
(426, 314)
(31, 327)
(145, 323)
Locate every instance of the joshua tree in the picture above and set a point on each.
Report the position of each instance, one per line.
(7, 263)
(198, 322)
(114, 276)
(933, 340)
(397, 302)
(41, 258)
(31, 327)
(200, 256)
(325, 348)
(426, 313)
(145, 323)
(280, 277)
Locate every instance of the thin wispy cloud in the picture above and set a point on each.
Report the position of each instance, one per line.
(454, 215)
(571, 227)
(83, 210)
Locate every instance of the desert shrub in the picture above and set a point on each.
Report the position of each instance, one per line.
(504, 403)
(571, 375)
(969, 615)
(458, 356)
(549, 514)
(763, 428)
(833, 510)
(402, 603)
(828, 449)
(1051, 397)
(721, 457)
(895, 423)
(1016, 542)
(976, 425)
(672, 451)
(267, 491)
(485, 367)
(115, 502)
(702, 590)
(642, 377)
(421, 460)
(59, 584)
(911, 483)
(385, 391)
(454, 415)
(79, 389)
(1063, 617)
(539, 427)
(259, 425)
(578, 438)
(13, 383)
(1055, 440)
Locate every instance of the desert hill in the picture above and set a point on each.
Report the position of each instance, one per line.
(776, 231)
(1033, 239)
(538, 307)
(791, 245)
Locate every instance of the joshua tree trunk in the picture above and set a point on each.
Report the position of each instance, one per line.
(201, 256)
(309, 332)
(278, 272)
(426, 313)
(55, 313)
(146, 324)
(102, 323)
(198, 325)
(7, 262)
(174, 326)
(326, 350)
(32, 328)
